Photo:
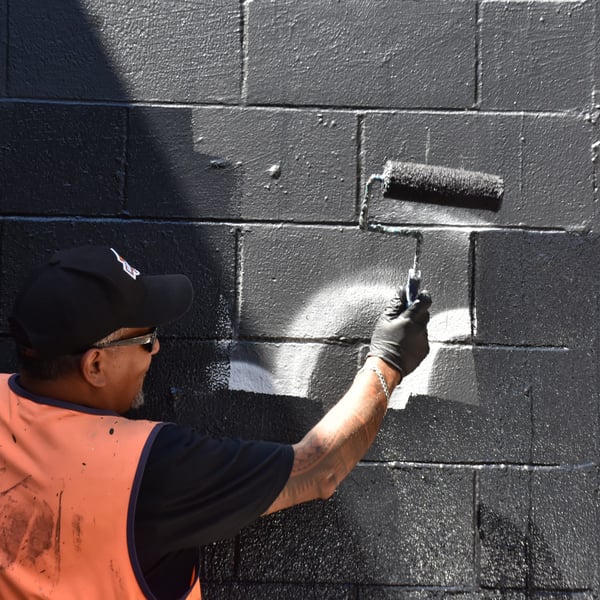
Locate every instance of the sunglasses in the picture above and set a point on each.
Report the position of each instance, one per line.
(147, 341)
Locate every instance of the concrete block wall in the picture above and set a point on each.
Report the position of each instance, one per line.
(231, 140)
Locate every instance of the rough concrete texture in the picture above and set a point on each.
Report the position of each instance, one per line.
(564, 545)
(3, 47)
(250, 163)
(522, 276)
(344, 278)
(544, 161)
(397, 593)
(276, 591)
(106, 49)
(232, 141)
(503, 528)
(354, 54)
(536, 55)
(205, 253)
(62, 160)
(419, 531)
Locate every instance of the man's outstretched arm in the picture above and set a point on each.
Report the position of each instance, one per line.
(333, 447)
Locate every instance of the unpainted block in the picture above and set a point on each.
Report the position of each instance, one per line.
(398, 593)
(3, 45)
(242, 163)
(503, 527)
(333, 282)
(217, 566)
(383, 526)
(62, 159)
(206, 254)
(132, 50)
(536, 288)
(544, 161)
(563, 536)
(275, 591)
(536, 55)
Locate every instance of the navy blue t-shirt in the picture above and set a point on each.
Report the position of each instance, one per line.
(195, 490)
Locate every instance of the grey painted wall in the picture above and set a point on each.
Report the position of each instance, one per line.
(231, 140)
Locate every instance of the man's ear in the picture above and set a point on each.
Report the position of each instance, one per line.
(93, 367)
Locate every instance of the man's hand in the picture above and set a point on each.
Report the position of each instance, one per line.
(400, 336)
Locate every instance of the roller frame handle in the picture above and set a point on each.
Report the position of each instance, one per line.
(413, 284)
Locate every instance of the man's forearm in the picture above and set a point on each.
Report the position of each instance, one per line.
(331, 449)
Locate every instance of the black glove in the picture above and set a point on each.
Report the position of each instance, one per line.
(400, 336)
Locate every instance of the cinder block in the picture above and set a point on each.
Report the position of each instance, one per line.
(294, 591)
(564, 397)
(563, 595)
(333, 282)
(557, 172)
(564, 538)
(320, 372)
(104, 49)
(503, 527)
(8, 362)
(383, 526)
(3, 45)
(239, 162)
(544, 162)
(183, 380)
(536, 288)
(490, 422)
(398, 593)
(206, 254)
(241, 414)
(362, 54)
(495, 405)
(394, 593)
(536, 55)
(217, 564)
(62, 159)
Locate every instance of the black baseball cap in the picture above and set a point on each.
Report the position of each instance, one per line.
(82, 294)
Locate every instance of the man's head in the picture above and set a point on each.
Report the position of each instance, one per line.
(87, 299)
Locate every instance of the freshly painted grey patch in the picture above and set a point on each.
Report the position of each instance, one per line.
(448, 372)
(330, 283)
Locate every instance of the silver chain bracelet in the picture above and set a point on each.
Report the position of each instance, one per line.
(380, 376)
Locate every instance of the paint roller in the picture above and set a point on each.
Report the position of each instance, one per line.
(415, 182)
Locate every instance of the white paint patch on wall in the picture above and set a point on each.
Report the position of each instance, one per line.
(448, 372)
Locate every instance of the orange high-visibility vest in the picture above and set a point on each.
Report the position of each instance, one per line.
(69, 478)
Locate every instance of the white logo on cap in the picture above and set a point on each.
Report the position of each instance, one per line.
(133, 273)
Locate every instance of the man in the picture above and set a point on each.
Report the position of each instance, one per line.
(97, 506)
